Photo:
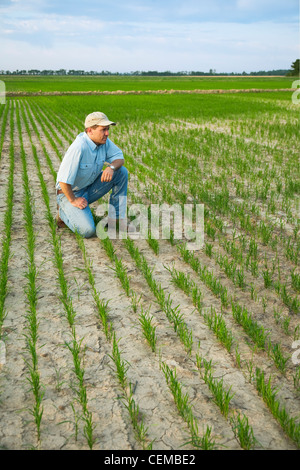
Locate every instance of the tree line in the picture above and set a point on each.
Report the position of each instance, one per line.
(150, 73)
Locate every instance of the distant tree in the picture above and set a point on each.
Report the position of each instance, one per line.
(295, 69)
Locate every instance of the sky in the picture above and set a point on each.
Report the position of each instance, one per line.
(130, 35)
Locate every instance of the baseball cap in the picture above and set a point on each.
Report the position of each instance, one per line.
(97, 119)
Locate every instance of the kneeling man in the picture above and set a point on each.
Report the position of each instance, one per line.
(81, 179)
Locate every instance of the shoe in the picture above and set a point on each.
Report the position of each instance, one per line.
(59, 222)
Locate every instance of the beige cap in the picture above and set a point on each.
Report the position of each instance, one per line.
(97, 119)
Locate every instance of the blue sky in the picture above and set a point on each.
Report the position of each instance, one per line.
(124, 36)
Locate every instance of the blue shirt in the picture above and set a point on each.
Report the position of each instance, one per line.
(84, 160)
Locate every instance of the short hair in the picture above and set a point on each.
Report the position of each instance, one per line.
(91, 127)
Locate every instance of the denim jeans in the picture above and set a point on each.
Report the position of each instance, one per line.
(81, 220)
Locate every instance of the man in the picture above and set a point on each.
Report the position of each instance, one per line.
(81, 179)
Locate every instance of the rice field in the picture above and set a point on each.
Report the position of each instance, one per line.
(136, 344)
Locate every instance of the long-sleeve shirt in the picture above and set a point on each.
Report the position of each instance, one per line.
(84, 161)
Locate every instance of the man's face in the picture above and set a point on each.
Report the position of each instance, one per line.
(99, 134)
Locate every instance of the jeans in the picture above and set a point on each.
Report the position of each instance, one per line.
(81, 220)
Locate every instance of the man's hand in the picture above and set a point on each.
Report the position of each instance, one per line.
(107, 175)
(79, 202)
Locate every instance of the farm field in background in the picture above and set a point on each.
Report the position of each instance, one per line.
(113, 83)
(140, 344)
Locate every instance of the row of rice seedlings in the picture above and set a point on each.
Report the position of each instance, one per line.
(149, 330)
(31, 290)
(214, 321)
(173, 313)
(46, 133)
(55, 121)
(255, 331)
(218, 325)
(259, 336)
(268, 393)
(3, 126)
(35, 129)
(121, 365)
(222, 397)
(102, 306)
(127, 397)
(73, 345)
(7, 224)
(204, 442)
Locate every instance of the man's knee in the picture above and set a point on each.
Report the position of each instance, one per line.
(87, 231)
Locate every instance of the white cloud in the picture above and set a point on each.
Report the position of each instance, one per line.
(32, 39)
(225, 48)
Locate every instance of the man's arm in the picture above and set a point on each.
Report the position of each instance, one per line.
(79, 202)
(108, 172)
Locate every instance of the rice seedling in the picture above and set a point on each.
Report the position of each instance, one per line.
(135, 300)
(136, 419)
(296, 379)
(275, 352)
(121, 365)
(181, 400)
(222, 397)
(149, 330)
(243, 431)
(217, 324)
(208, 249)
